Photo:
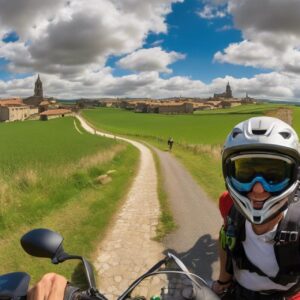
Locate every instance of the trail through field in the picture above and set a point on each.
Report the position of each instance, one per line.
(197, 216)
(128, 249)
(195, 240)
(77, 129)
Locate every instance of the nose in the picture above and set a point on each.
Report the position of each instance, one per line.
(258, 188)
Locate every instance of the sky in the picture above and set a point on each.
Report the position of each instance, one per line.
(157, 48)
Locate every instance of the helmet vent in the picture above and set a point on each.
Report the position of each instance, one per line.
(259, 131)
(256, 219)
(236, 132)
(285, 135)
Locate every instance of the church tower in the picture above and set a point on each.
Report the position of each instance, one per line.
(38, 88)
(228, 91)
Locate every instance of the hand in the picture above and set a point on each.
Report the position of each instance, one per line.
(50, 287)
(219, 288)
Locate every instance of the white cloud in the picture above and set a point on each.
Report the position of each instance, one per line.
(271, 32)
(68, 37)
(249, 54)
(271, 85)
(157, 43)
(266, 16)
(211, 12)
(152, 59)
(23, 16)
(102, 83)
(69, 42)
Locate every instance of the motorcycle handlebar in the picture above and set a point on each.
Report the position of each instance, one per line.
(74, 293)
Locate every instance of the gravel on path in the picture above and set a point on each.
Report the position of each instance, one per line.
(128, 249)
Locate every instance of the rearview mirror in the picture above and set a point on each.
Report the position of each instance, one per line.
(42, 243)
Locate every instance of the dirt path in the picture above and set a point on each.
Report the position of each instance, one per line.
(195, 240)
(128, 249)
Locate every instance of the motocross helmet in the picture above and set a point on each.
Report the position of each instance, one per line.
(264, 150)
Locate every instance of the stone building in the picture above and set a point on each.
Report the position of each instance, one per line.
(248, 100)
(14, 110)
(184, 108)
(227, 94)
(164, 108)
(38, 97)
(54, 113)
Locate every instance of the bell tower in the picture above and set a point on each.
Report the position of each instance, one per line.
(228, 91)
(38, 88)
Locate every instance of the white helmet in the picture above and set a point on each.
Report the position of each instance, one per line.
(265, 150)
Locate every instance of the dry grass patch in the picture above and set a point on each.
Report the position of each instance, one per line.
(26, 178)
(213, 150)
(89, 161)
(5, 196)
(101, 157)
(284, 114)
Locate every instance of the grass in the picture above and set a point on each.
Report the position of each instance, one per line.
(184, 129)
(296, 119)
(255, 109)
(62, 196)
(198, 138)
(40, 145)
(36, 182)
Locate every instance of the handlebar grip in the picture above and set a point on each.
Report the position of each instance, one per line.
(70, 292)
(74, 293)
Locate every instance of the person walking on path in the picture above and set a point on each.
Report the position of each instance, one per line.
(170, 143)
(259, 241)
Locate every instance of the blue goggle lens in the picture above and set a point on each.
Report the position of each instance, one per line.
(274, 174)
(271, 188)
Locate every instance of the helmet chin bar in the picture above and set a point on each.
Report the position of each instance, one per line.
(271, 208)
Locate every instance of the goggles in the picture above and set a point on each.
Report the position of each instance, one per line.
(274, 173)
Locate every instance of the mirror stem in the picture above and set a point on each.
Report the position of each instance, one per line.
(87, 267)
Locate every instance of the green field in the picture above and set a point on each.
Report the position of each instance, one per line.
(48, 179)
(254, 109)
(296, 119)
(45, 144)
(198, 138)
(205, 127)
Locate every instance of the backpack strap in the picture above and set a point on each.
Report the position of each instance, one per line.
(235, 234)
(287, 244)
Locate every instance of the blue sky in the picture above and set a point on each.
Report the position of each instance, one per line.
(199, 39)
(158, 48)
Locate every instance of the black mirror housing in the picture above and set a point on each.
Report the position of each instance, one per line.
(42, 243)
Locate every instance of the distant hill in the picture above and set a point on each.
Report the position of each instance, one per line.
(287, 102)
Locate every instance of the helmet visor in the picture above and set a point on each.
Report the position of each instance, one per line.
(275, 173)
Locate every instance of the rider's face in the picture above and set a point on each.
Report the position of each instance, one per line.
(258, 196)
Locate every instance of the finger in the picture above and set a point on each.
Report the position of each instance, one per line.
(42, 289)
(35, 293)
(57, 291)
(47, 281)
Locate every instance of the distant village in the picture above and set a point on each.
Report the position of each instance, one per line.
(44, 108)
(32, 108)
